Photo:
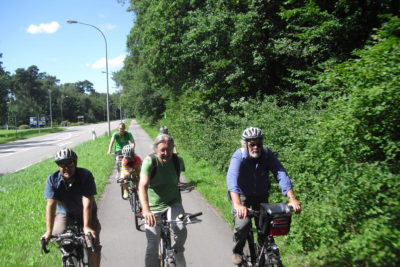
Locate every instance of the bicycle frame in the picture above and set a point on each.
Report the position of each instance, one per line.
(273, 220)
(166, 253)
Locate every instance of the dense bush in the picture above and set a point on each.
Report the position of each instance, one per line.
(23, 127)
(344, 159)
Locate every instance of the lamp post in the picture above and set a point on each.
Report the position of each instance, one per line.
(105, 41)
(62, 101)
(51, 116)
(120, 106)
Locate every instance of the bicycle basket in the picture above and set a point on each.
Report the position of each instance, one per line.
(275, 218)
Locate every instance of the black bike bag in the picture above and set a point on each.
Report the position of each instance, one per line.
(275, 219)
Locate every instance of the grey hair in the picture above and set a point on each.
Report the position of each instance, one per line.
(163, 138)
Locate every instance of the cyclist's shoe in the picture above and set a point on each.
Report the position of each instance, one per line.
(236, 258)
(126, 194)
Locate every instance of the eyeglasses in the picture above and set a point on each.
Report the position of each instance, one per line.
(255, 144)
(66, 164)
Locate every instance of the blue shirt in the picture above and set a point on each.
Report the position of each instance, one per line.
(250, 177)
(69, 198)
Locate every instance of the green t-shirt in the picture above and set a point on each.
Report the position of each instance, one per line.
(122, 140)
(163, 190)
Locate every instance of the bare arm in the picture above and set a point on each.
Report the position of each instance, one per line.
(111, 145)
(51, 206)
(144, 200)
(87, 214)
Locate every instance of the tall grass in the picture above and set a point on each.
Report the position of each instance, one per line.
(22, 213)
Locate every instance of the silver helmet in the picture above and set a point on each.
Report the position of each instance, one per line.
(65, 154)
(252, 133)
(128, 151)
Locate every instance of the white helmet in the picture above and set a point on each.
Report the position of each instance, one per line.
(252, 133)
(128, 151)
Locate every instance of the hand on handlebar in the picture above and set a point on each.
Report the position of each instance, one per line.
(241, 211)
(295, 204)
(149, 218)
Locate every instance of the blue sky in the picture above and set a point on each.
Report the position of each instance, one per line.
(35, 32)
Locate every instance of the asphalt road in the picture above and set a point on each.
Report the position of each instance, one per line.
(20, 154)
(208, 244)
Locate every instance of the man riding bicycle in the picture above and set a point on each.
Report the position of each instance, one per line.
(70, 198)
(120, 138)
(249, 183)
(159, 194)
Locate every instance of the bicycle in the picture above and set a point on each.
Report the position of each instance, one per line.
(273, 220)
(165, 252)
(73, 246)
(134, 202)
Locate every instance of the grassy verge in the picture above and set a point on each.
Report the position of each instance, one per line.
(22, 213)
(12, 135)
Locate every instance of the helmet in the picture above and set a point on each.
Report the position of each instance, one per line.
(128, 151)
(252, 133)
(164, 130)
(65, 154)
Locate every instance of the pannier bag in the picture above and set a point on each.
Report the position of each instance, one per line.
(275, 219)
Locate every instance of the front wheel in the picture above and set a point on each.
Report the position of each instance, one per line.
(71, 261)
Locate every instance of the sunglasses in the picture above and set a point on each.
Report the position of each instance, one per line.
(255, 144)
(66, 164)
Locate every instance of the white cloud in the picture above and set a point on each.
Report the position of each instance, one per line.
(51, 27)
(114, 63)
(110, 26)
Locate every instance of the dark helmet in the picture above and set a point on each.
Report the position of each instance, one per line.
(164, 130)
(128, 151)
(252, 133)
(65, 154)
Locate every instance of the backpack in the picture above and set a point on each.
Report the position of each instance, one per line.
(154, 163)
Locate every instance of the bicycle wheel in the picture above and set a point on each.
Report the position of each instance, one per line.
(272, 260)
(161, 253)
(71, 261)
(132, 200)
(122, 191)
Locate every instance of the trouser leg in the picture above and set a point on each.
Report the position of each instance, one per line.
(179, 234)
(242, 225)
(153, 240)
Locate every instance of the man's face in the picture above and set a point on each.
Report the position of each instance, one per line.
(67, 169)
(164, 152)
(121, 129)
(255, 147)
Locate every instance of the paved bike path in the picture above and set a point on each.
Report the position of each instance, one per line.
(209, 243)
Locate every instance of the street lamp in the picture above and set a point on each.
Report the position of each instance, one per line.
(105, 41)
(62, 101)
(51, 116)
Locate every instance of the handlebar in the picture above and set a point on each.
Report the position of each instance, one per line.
(269, 209)
(90, 241)
(43, 245)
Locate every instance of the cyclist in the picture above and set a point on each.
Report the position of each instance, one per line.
(70, 197)
(248, 184)
(160, 194)
(130, 167)
(120, 138)
(164, 130)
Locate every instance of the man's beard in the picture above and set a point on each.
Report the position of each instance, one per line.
(255, 154)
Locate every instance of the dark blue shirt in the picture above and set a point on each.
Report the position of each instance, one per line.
(250, 177)
(69, 198)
